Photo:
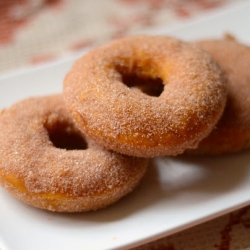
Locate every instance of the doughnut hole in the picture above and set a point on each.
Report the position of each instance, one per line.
(143, 78)
(149, 86)
(65, 135)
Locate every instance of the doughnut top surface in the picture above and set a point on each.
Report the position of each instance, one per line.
(48, 163)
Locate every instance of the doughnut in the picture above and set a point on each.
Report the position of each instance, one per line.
(46, 162)
(145, 96)
(232, 133)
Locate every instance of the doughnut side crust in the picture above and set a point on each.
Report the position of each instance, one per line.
(40, 174)
(232, 133)
(133, 123)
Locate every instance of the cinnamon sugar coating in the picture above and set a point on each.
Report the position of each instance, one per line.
(232, 132)
(105, 95)
(46, 162)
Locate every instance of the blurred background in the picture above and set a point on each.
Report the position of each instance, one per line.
(36, 31)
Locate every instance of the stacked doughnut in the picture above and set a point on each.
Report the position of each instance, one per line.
(231, 134)
(146, 96)
(122, 103)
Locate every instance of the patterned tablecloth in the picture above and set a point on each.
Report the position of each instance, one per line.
(36, 31)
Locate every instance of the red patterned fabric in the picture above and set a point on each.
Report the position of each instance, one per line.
(35, 31)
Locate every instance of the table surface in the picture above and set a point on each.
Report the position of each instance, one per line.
(34, 32)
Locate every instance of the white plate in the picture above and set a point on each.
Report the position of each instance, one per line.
(176, 193)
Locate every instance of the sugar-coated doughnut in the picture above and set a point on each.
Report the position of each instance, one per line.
(182, 95)
(46, 162)
(232, 132)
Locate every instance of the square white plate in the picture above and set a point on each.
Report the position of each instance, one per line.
(175, 194)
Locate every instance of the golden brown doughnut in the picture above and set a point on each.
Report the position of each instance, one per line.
(101, 92)
(39, 166)
(232, 132)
